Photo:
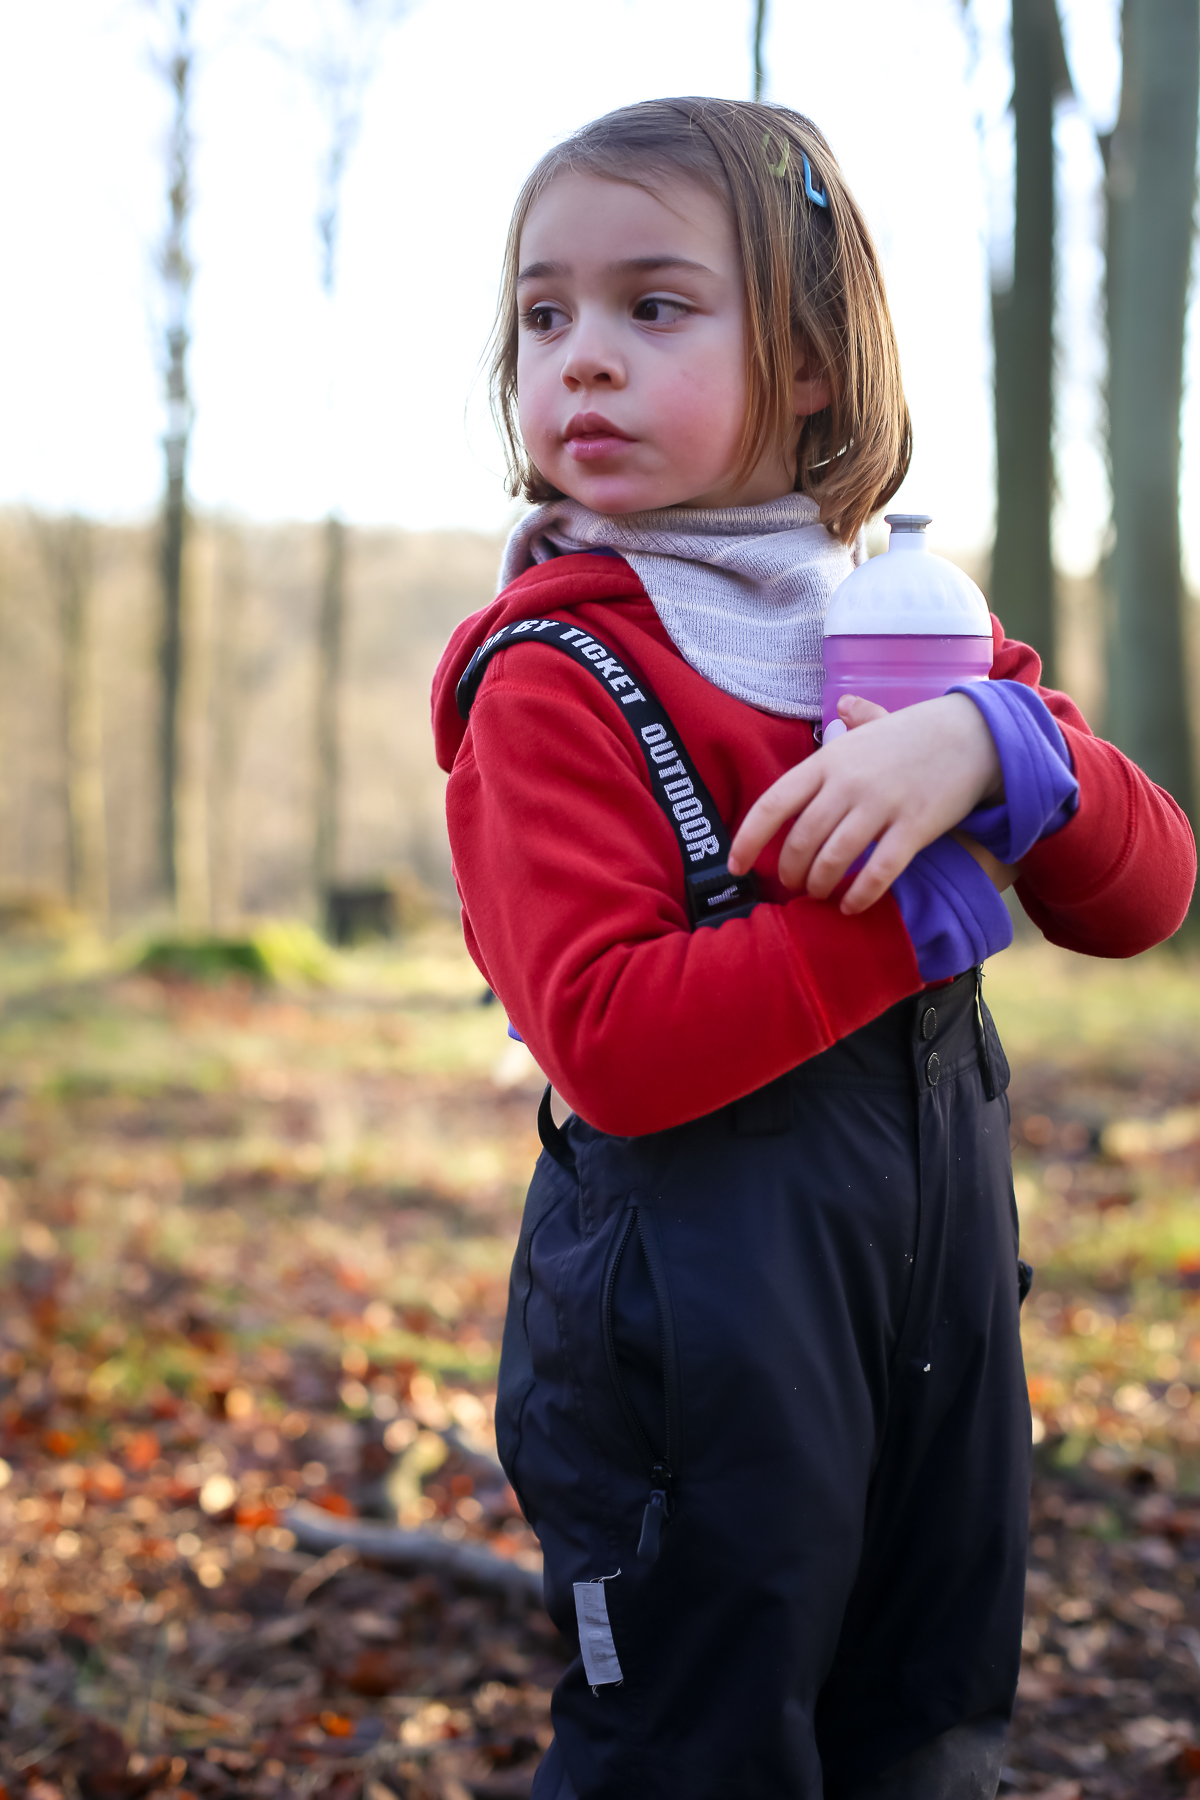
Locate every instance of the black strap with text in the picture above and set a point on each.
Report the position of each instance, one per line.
(713, 894)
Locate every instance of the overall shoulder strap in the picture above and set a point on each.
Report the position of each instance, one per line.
(713, 894)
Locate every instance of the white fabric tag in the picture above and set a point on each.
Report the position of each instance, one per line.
(600, 1662)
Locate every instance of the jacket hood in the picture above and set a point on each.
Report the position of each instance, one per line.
(557, 587)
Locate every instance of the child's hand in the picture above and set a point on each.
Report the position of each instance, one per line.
(898, 780)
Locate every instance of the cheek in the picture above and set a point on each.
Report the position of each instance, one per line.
(531, 396)
(710, 397)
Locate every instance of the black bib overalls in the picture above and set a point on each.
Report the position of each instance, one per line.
(794, 1323)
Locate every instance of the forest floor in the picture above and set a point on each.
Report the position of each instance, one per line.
(254, 1247)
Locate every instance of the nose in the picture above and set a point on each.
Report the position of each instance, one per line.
(593, 358)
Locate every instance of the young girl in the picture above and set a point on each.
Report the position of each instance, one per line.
(761, 1391)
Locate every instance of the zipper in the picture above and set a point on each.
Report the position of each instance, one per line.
(659, 1505)
(981, 1039)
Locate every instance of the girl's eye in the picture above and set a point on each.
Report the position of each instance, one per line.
(656, 311)
(542, 319)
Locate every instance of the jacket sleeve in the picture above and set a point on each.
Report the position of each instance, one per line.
(1118, 876)
(572, 888)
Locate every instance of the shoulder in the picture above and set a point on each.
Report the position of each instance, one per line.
(573, 587)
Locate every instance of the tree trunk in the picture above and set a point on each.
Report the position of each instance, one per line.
(330, 650)
(68, 547)
(1151, 192)
(174, 531)
(228, 731)
(1023, 332)
(760, 26)
(193, 891)
(177, 280)
(343, 67)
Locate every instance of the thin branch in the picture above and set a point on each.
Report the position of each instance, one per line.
(760, 25)
(318, 1530)
(339, 67)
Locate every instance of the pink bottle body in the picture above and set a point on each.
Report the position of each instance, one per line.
(896, 671)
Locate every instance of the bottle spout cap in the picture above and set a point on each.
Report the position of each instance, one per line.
(910, 592)
(908, 530)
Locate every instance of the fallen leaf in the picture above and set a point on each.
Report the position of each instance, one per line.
(142, 1449)
(250, 1516)
(332, 1502)
(1151, 1732)
(1167, 1606)
(379, 1672)
(336, 1725)
(106, 1481)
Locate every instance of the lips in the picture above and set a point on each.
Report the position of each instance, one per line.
(590, 436)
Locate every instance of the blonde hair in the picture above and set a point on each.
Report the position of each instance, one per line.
(812, 278)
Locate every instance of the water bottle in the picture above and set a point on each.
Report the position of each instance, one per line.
(903, 627)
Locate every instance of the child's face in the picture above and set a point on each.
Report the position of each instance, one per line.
(631, 375)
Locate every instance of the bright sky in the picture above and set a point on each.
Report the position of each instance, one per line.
(379, 407)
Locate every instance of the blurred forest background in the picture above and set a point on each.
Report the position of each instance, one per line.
(81, 697)
(262, 1148)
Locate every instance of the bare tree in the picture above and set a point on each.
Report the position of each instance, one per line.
(1151, 188)
(341, 69)
(66, 546)
(1023, 332)
(176, 64)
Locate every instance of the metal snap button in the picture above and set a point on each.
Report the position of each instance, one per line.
(933, 1069)
(928, 1023)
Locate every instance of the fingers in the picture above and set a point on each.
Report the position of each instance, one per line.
(918, 772)
(835, 816)
(782, 801)
(823, 843)
(790, 796)
(891, 856)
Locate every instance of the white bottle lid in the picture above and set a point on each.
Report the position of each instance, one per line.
(908, 592)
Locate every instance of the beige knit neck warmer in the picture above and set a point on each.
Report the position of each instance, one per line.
(741, 590)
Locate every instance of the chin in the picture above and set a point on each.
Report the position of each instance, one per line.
(617, 497)
(614, 501)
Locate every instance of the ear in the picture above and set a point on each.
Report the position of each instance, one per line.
(811, 390)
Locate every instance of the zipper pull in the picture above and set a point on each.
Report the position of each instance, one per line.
(655, 1513)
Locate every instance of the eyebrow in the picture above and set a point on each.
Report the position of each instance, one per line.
(630, 265)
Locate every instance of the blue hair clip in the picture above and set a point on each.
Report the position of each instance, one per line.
(818, 196)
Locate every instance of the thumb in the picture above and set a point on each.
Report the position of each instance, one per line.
(854, 711)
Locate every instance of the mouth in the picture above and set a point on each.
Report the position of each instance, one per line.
(589, 436)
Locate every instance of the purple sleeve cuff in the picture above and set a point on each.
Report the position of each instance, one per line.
(1040, 789)
(951, 910)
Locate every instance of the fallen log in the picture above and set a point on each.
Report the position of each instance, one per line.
(315, 1529)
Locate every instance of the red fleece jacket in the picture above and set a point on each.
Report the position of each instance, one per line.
(572, 882)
